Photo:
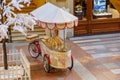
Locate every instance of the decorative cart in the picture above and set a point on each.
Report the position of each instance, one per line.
(55, 51)
(56, 55)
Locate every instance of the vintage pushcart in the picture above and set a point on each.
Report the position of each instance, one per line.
(55, 51)
(57, 56)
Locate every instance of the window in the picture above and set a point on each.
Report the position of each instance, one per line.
(80, 9)
(99, 6)
(103, 9)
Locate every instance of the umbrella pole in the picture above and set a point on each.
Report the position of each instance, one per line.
(50, 33)
(64, 38)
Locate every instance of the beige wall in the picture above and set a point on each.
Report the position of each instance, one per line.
(63, 3)
(70, 5)
(59, 3)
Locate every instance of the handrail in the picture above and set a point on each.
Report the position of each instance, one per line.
(116, 4)
(39, 3)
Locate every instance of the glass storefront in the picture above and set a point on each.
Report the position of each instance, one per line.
(80, 9)
(103, 9)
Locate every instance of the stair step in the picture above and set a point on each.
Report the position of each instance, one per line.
(23, 12)
(36, 30)
(21, 35)
(7, 1)
(23, 39)
(18, 36)
(27, 9)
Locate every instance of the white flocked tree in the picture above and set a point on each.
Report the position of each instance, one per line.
(20, 22)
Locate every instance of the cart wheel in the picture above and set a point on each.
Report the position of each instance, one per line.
(46, 64)
(33, 50)
(71, 63)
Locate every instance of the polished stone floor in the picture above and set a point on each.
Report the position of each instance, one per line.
(104, 51)
(96, 57)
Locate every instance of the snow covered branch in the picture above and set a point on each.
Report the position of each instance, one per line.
(21, 22)
(3, 32)
(24, 22)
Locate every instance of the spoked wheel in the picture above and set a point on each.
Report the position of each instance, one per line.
(46, 64)
(33, 50)
(71, 63)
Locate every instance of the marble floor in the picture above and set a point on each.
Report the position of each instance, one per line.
(96, 57)
(103, 55)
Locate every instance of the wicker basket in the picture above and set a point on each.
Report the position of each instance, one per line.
(31, 38)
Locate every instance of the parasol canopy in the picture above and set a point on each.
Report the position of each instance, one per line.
(51, 16)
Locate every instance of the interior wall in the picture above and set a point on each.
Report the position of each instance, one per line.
(70, 5)
(59, 3)
(63, 3)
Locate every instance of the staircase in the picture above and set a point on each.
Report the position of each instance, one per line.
(18, 36)
(27, 9)
(116, 4)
